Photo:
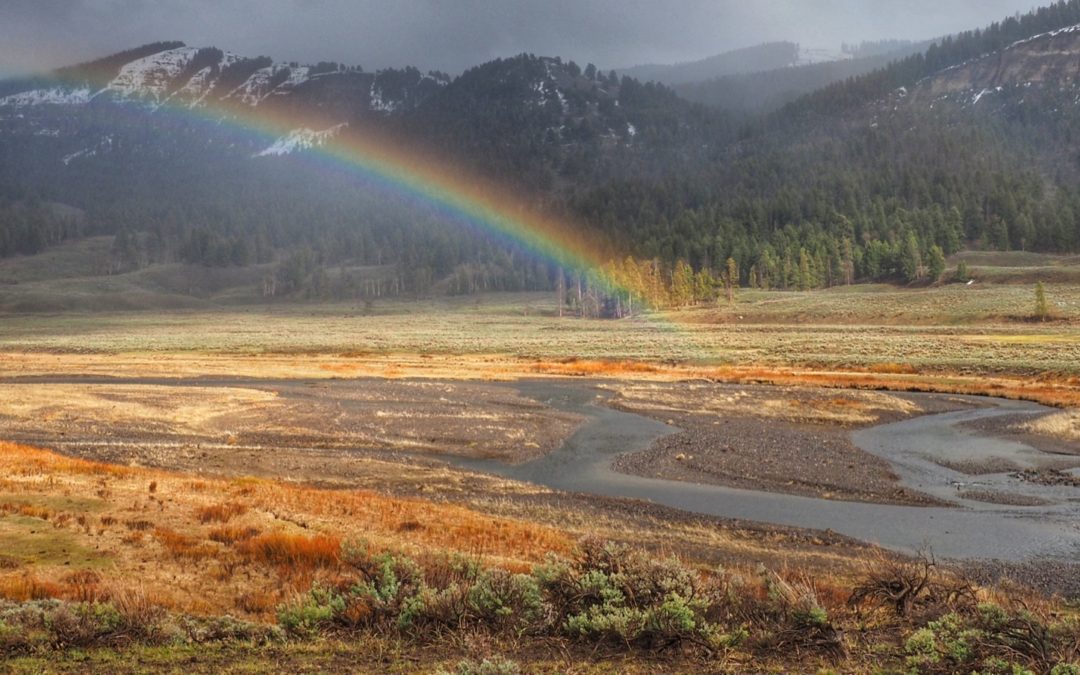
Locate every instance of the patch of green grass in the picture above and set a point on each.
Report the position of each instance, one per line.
(34, 541)
(55, 502)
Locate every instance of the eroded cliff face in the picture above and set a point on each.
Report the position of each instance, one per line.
(1049, 61)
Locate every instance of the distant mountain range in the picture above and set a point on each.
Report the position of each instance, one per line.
(769, 56)
(768, 76)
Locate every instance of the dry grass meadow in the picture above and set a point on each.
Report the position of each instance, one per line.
(250, 537)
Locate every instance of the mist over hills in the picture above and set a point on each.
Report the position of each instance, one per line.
(769, 56)
(878, 175)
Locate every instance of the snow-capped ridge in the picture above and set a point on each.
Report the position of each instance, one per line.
(301, 139)
(152, 76)
(275, 79)
(1042, 36)
(50, 96)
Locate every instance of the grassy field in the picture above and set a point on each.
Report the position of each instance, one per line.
(147, 573)
(130, 568)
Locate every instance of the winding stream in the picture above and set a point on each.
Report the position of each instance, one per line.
(967, 530)
(974, 530)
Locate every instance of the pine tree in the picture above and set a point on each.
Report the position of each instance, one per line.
(1042, 305)
(682, 284)
(732, 279)
(911, 259)
(962, 274)
(935, 263)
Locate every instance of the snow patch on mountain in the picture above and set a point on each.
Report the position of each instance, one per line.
(300, 139)
(151, 77)
(85, 152)
(548, 85)
(297, 76)
(197, 88)
(255, 87)
(53, 96)
(202, 83)
(979, 96)
(1042, 36)
(378, 102)
(811, 55)
(261, 83)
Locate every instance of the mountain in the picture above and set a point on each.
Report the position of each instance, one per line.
(1046, 64)
(171, 73)
(768, 56)
(161, 147)
(878, 176)
(770, 89)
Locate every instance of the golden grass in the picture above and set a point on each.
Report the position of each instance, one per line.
(195, 552)
(788, 403)
(1064, 425)
(292, 551)
(230, 534)
(220, 513)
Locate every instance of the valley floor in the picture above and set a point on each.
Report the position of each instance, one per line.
(228, 431)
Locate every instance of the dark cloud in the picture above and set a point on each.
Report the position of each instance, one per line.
(454, 34)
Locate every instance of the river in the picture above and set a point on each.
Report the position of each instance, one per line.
(969, 530)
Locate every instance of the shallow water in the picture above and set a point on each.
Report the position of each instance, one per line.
(972, 530)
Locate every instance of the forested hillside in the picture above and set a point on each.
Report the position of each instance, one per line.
(767, 90)
(877, 177)
(754, 59)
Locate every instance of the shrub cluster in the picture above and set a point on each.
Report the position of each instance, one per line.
(385, 591)
(605, 594)
(54, 624)
(992, 639)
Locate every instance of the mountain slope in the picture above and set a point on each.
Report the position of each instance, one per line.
(162, 147)
(768, 56)
(878, 177)
(768, 90)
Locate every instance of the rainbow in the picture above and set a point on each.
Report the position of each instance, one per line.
(425, 179)
(414, 174)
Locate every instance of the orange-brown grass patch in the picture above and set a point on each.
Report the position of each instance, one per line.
(25, 586)
(220, 513)
(28, 510)
(82, 585)
(182, 546)
(432, 525)
(1046, 388)
(230, 534)
(579, 368)
(293, 552)
(33, 460)
(258, 603)
(181, 552)
(892, 368)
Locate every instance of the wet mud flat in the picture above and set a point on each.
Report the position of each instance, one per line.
(804, 449)
(963, 530)
(573, 471)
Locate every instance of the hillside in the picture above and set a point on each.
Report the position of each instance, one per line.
(878, 177)
(768, 56)
(769, 89)
(170, 135)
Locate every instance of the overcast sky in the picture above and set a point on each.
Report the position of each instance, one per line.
(454, 34)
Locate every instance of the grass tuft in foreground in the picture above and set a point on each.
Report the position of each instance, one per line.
(607, 600)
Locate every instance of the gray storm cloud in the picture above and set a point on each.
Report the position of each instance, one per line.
(452, 35)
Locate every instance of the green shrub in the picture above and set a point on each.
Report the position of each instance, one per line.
(610, 593)
(317, 609)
